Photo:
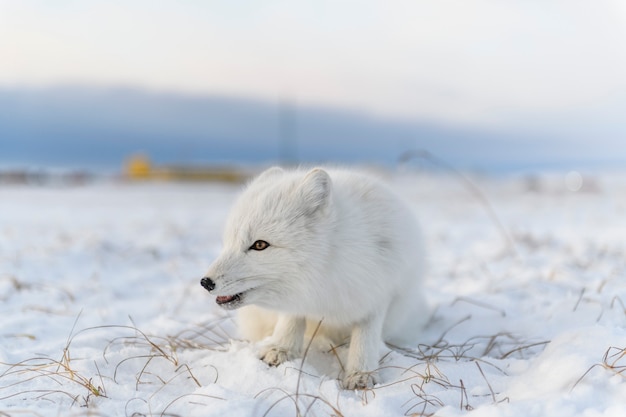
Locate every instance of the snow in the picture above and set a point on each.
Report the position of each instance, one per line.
(102, 311)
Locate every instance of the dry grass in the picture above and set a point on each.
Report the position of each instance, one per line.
(66, 378)
(303, 402)
(58, 372)
(157, 364)
(613, 360)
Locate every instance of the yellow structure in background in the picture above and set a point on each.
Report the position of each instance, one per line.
(139, 167)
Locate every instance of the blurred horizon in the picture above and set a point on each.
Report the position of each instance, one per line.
(98, 129)
(481, 84)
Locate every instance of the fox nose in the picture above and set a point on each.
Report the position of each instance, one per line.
(207, 283)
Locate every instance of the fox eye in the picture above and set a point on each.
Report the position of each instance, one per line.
(259, 245)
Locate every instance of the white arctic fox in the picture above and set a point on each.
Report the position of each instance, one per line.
(329, 245)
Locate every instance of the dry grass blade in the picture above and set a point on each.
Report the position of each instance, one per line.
(306, 352)
(275, 403)
(424, 400)
(464, 398)
(493, 394)
(174, 401)
(479, 304)
(614, 359)
(43, 392)
(610, 361)
(444, 334)
(619, 300)
(472, 188)
(525, 347)
(580, 298)
(184, 365)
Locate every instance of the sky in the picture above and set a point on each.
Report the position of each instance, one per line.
(544, 69)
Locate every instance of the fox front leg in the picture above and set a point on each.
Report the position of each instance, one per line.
(286, 340)
(364, 354)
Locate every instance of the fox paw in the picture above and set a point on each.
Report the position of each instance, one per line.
(359, 380)
(275, 356)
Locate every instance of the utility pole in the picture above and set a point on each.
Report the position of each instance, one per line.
(287, 132)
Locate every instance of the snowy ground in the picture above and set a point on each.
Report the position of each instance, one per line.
(102, 311)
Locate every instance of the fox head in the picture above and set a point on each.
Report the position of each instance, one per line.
(274, 241)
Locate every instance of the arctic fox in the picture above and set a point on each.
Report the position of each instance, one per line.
(330, 245)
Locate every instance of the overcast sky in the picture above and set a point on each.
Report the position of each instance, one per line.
(468, 61)
(551, 65)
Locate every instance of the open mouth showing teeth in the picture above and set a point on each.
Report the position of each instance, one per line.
(223, 299)
(229, 301)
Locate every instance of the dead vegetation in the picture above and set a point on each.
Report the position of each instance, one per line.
(80, 383)
(50, 379)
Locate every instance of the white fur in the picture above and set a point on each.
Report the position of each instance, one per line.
(343, 249)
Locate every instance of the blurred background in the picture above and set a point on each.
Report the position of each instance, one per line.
(486, 85)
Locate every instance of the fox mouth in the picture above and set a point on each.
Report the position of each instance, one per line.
(230, 302)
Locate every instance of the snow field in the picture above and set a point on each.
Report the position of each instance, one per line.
(103, 314)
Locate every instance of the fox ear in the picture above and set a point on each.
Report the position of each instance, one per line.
(315, 190)
(269, 173)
